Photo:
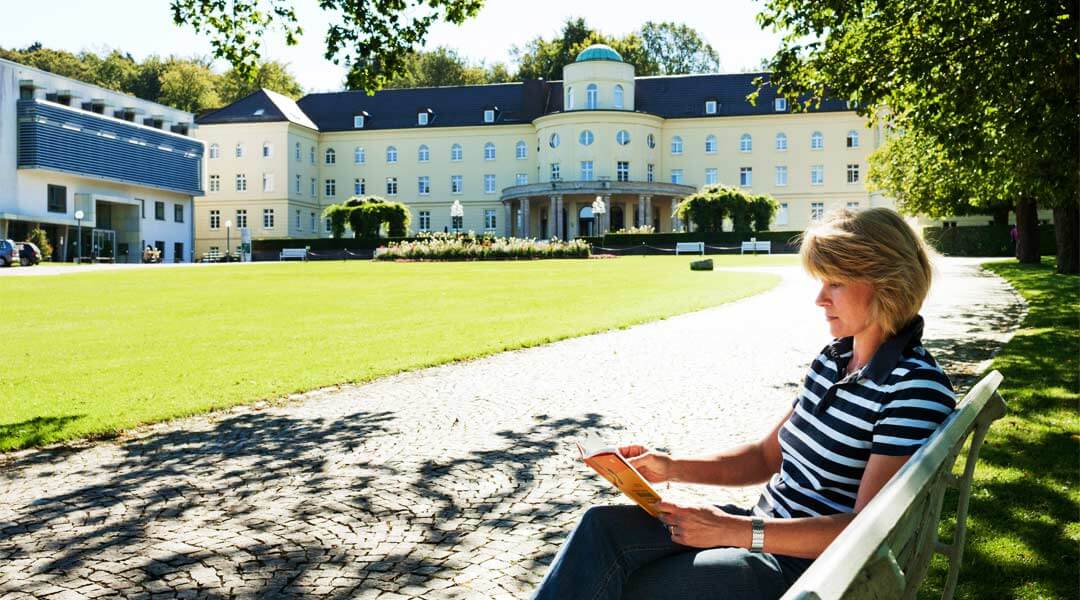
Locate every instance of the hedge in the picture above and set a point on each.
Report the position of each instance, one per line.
(983, 240)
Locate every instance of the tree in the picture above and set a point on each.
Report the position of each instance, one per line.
(545, 59)
(371, 37)
(678, 49)
(994, 84)
(708, 208)
(444, 66)
(271, 75)
(189, 87)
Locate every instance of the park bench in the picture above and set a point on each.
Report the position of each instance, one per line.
(695, 247)
(287, 253)
(756, 246)
(212, 256)
(885, 551)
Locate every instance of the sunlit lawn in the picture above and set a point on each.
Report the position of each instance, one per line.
(1024, 524)
(90, 354)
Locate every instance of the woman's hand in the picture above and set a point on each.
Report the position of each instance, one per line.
(702, 526)
(654, 466)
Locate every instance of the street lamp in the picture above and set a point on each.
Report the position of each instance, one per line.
(228, 239)
(456, 212)
(598, 211)
(78, 238)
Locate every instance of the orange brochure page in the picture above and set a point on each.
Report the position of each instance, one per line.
(613, 467)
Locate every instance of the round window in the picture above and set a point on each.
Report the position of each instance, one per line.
(622, 137)
(651, 140)
(586, 138)
(554, 140)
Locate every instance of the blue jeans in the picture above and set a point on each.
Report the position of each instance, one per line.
(623, 553)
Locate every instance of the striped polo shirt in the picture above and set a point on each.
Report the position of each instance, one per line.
(890, 406)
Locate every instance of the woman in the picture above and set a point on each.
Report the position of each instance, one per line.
(872, 397)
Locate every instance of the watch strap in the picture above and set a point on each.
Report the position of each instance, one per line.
(757, 539)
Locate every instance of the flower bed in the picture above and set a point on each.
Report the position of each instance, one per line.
(442, 246)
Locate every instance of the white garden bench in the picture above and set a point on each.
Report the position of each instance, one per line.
(885, 551)
(756, 246)
(694, 247)
(287, 253)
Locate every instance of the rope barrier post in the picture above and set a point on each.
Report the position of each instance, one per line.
(642, 249)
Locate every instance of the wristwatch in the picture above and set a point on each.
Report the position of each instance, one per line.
(757, 539)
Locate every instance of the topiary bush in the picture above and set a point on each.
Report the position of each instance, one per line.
(469, 246)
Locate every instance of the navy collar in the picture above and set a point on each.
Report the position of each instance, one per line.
(887, 355)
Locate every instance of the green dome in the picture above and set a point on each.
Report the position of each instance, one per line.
(598, 52)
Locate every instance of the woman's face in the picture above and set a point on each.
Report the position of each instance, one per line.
(847, 306)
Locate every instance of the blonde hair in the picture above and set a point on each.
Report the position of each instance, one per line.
(874, 246)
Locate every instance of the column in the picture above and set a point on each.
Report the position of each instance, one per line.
(648, 210)
(607, 214)
(640, 220)
(675, 224)
(508, 216)
(553, 221)
(525, 217)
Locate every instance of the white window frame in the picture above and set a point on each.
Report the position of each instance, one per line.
(215, 151)
(358, 121)
(423, 219)
(622, 170)
(556, 171)
(570, 98)
(677, 176)
(852, 140)
(712, 176)
(521, 150)
(268, 182)
(746, 143)
(781, 142)
(241, 218)
(817, 211)
(781, 179)
(489, 183)
(359, 156)
(241, 182)
(521, 179)
(622, 137)
(457, 184)
(586, 137)
(299, 224)
(239, 151)
(817, 141)
(746, 176)
(422, 118)
(330, 188)
(619, 94)
(710, 144)
(456, 152)
(215, 183)
(782, 214)
(676, 145)
(489, 219)
(592, 97)
(215, 219)
(391, 154)
(359, 186)
(780, 104)
(710, 107)
(423, 153)
(330, 157)
(817, 175)
(298, 152)
(267, 150)
(489, 115)
(853, 206)
(554, 140)
(268, 218)
(298, 192)
(489, 151)
(391, 186)
(423, 185)
(853, 173)
(588, 173)
(314, 184)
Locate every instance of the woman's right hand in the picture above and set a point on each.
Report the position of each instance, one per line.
(653, 465)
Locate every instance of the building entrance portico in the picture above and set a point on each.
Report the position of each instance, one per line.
(563, 209)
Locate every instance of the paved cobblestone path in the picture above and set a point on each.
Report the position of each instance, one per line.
(451, 482)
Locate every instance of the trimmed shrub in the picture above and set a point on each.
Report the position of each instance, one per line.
(708, 208)
(366, 217)
(442, 246)
(38, 238)
(983, 240)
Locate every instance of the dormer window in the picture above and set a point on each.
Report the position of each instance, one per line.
(489, 115)
(710, 107)
(358, 121)
(422, 117)
(780, 104)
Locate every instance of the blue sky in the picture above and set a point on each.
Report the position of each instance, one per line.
(144, 27)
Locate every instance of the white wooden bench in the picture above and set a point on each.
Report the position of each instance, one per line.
(694, 247)
(287, 253)
(756, 246)
(212, 256)
(885, 551)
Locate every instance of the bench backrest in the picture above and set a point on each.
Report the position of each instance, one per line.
(294, 252)
(885, 551)
(689, 245)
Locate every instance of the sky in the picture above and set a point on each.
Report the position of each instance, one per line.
(145, 27)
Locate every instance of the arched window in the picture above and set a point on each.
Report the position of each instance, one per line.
(570, 98)
(391, 154)
(746, 143)
(455, 152)
(297, 152)
(592, 95)
(331, 156)
(489, 151)
(358, 155)
(817, 141)
(710, 144)
(423, 154)
(618, 96)
(215, 151)
(239, 151)
(676, 145)
(781, 141)
(521, 151)
(586, 137)
(650, 140)
(553, 141)
(853, 139)
(622, 137)
(268, 150)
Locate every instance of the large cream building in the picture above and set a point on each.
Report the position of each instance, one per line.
(527, 158)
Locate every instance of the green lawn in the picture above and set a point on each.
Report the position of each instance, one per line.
(91, 354)
(1024, 524)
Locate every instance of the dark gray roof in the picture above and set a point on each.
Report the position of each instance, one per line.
(670, 97)
(262, 106)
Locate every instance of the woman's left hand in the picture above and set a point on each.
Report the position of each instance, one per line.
(699, 526)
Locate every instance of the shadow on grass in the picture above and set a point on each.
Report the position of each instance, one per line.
(33, 432)
(1024, 494)
(269, 504)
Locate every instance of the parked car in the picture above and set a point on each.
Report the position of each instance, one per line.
(9, 253)
(29, 254)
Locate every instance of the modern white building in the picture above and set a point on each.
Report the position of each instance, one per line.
(129, 166)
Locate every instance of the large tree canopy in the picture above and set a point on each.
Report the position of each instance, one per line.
(990, 85)
(371, 37)
(678, 49)
(444, 66)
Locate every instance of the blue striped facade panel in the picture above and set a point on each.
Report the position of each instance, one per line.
(73, 141)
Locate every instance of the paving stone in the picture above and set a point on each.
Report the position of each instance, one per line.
(457, 481)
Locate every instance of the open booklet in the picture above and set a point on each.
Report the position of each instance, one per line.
(611, 465)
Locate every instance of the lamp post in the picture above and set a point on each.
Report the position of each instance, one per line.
(228, 239)
(456, 212)
(598, 211)
(78, 237)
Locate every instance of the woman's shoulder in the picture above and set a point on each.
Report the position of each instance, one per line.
(917, 376)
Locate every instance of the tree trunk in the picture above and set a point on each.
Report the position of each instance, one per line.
(1027, 226)
(1067, 236)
